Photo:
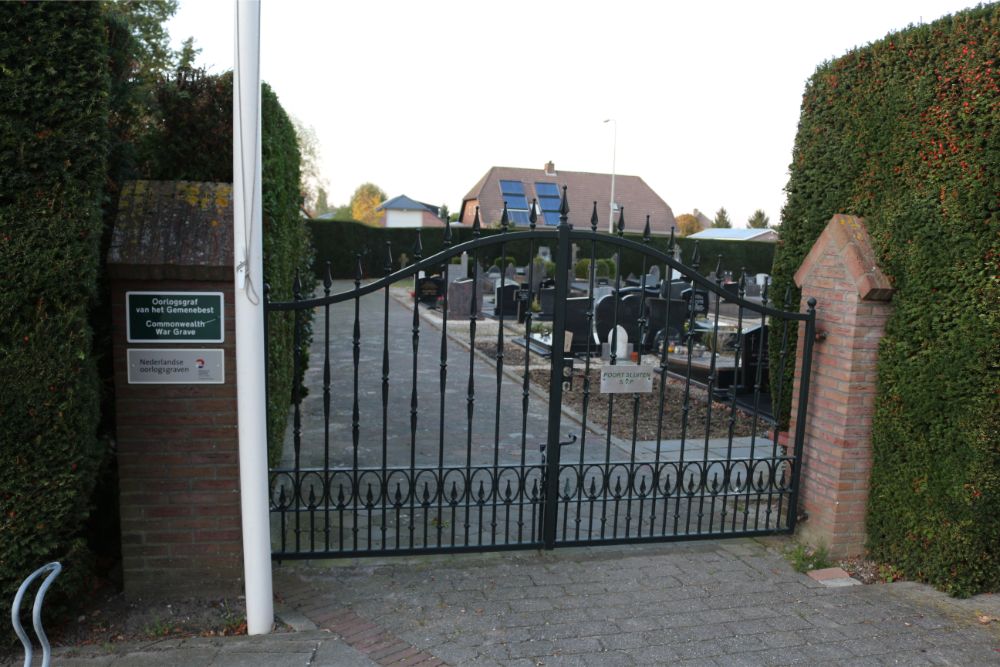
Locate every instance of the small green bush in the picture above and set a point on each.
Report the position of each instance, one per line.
(582, 269)
(502, 263)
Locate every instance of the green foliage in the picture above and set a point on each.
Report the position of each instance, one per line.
(804, 558)
(582, 269)
(903, 133)
(54, 143)
(502, 263)
(722, 219)
(193, 141)
(758, 220)
(605, 268)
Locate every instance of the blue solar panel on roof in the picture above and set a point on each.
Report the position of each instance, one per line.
(547, 189)
(512, 187)
(551, 218)
(517, 217)
(549, 203)
(515, 201)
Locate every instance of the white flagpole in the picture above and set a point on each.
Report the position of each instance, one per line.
(248, 291)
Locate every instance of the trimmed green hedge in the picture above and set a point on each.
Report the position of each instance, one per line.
(53, 152)
(193, 141)
(904, 133)
(337, 242)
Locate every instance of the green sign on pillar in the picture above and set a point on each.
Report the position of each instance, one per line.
(174, 317)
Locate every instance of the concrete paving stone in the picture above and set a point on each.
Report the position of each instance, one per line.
(783, 639)
(697, 649)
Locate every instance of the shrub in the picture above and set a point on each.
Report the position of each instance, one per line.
(53, 138)
(582, 269)
(902, 132)
(195, 113)
(502, 263)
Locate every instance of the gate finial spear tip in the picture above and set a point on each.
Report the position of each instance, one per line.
(418, 248)
(504, 219)
(695, 257)
(447, 232)
(646, 231)
(327, 277)
(621, 221)
(670, 244)
(564, 204)
(357, 267)
(533, 215)
(388, 256)
(718, 266)
(593, 218)
(476, 224)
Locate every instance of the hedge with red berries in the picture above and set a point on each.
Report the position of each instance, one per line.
(53, 153)
(905, 132)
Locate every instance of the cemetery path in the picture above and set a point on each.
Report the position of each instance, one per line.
(452, 437)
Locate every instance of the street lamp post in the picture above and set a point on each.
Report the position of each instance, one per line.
(614, 150)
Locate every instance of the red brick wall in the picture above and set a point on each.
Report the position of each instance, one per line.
(178, 465)
(852, 308)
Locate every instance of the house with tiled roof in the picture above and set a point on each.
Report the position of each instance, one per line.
(519, 186)
(402, 211)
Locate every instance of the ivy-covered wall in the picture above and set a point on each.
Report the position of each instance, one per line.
(906, 133)
(53, 152)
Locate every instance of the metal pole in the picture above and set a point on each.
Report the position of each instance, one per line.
(614, 151)
(555, 376)
(248, 295)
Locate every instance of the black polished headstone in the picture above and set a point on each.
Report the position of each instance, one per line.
(430, 289)
(505, 299)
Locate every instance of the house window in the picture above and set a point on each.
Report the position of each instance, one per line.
(548, 201)
(512, 193)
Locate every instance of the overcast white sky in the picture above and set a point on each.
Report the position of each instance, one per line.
(422, 98)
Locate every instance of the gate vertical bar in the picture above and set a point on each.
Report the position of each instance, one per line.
(800, 417)
(555, 376)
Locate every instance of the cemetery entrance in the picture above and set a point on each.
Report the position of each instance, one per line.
(448, 407)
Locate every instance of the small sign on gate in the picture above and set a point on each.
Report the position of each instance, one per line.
(627, 379)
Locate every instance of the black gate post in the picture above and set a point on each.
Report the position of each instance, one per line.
(551, 498)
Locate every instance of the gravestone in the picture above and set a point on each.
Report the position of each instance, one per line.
(463, 266)
(653, 277)
(460, 299)
(429, 290)
(537, 274)
(510, 274)
(698, 300)
(620, 337)
(547, 301)
(505, 300)
(578, 324)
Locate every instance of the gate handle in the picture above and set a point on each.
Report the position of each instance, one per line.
(572, 439)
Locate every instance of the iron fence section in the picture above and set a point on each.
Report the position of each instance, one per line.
(483, 486)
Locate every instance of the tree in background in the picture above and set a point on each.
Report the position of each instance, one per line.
(443, 212)
(322, 203)
(364, 201)
(687, 224)
(758, 220)
(722, 219)
(312, 181)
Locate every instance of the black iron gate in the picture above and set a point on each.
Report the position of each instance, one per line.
(423, 434)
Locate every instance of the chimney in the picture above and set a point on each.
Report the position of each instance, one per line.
(550, 168)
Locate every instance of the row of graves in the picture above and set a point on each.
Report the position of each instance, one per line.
(738, 348)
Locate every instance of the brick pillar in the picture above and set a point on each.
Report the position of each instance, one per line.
(840, 271)
(177, 443)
